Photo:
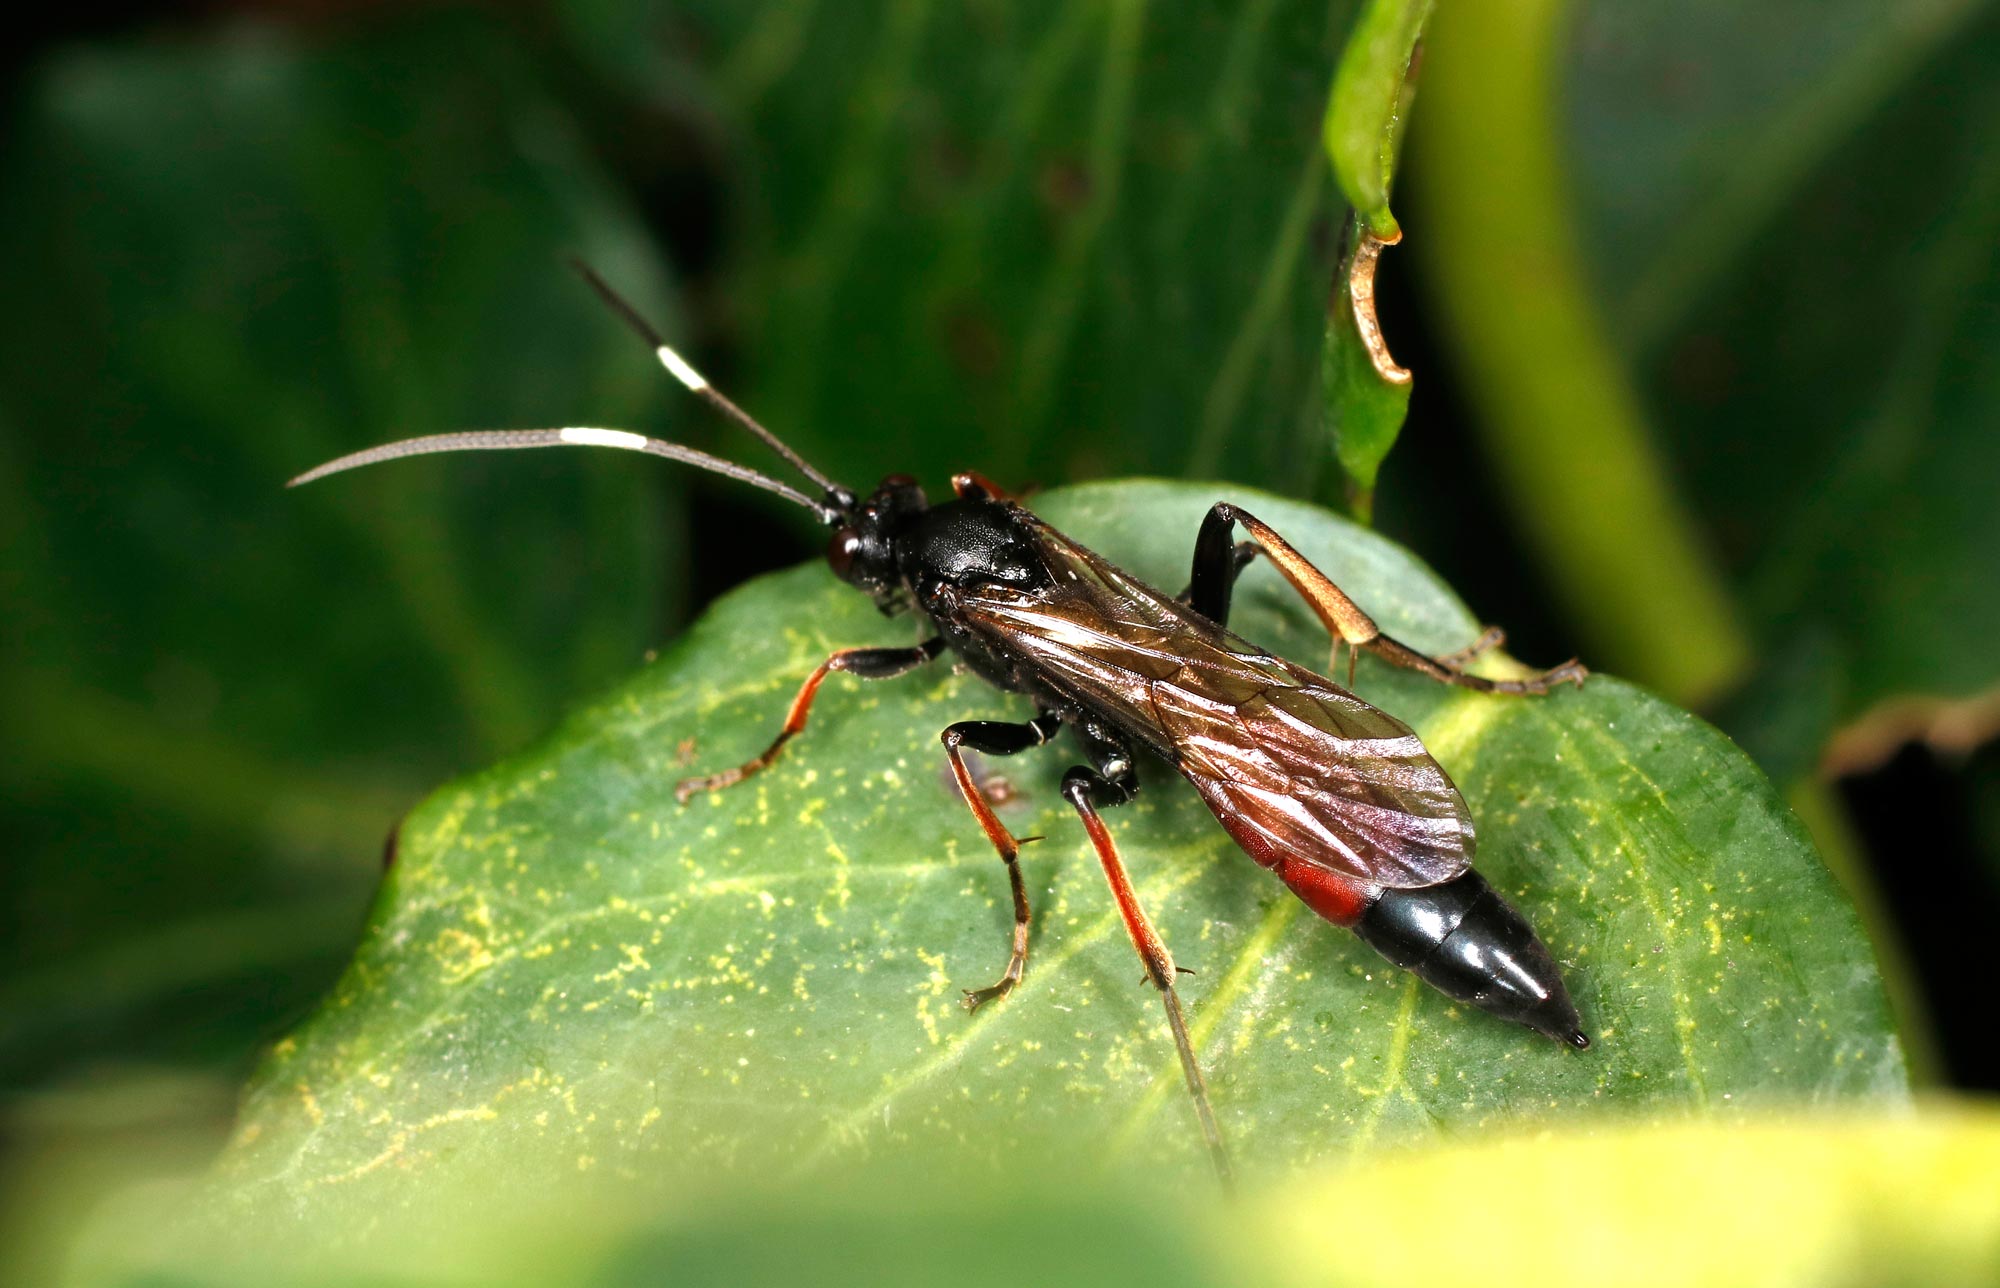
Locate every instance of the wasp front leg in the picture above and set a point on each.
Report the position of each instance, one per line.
(998, 738)
(867, 663)
(1217, 563)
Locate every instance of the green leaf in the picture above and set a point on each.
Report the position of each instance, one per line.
(1370, 104)
(568, 975)
(1836, 1198)
(1829, 1200)
(1090, 238)
(231, 259)
(1690, 133)
(1366, 394)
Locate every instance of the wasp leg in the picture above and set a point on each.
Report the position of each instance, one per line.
(978, 487)
(868, 663)
(1490, 638)
(1087, 789)
(1343, 617)
(997, 738)
(1214, 577)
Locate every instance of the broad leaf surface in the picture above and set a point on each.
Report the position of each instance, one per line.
(233, 258)
(1794, 215)
(567, 975)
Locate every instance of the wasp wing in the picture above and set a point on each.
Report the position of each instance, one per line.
(1292, 764)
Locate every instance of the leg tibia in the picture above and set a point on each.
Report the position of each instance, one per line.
(867, 663)
(1084, 788)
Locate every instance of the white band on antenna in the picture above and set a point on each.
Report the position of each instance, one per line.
(682, 371)
(584, 436)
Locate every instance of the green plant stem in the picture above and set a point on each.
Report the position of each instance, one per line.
(1565, 431)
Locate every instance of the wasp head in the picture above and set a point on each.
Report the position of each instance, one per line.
(862, 551)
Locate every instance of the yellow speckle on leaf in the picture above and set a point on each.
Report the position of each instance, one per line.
(460, 955)
(939, 981)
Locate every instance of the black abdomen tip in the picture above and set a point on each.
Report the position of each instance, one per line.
(1467, 942)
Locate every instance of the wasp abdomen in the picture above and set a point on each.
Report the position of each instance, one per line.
(1467, 942)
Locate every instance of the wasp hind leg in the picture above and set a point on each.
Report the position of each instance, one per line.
(1113, 782)
(867, 663)
(1214, 578)
(998, 738)
(1217, 561)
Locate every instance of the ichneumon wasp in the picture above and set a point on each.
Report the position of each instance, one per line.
(1337, 798)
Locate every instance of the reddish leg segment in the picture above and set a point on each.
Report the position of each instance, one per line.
(997, 738)
(1081, 786)
(868, 663)
(978, 487)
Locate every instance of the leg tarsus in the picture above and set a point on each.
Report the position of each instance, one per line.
(1490, 638)
(1446, 671)
(1017, 954)
(977, 997)
(1197, 1087)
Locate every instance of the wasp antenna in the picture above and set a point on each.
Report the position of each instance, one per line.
(626, 311)
(502, 440)
(683, 370)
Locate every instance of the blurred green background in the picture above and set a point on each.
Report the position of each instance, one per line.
(1702, 304)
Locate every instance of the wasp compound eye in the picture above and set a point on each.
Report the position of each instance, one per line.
(842, 551)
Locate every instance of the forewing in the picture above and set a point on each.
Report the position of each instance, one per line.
(1292, 764)
(1302, 768)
